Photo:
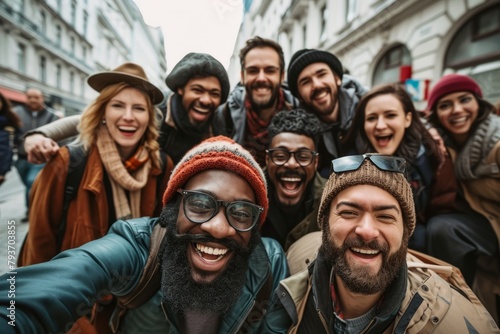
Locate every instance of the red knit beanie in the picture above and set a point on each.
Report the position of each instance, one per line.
(452, 83)
(224, 154)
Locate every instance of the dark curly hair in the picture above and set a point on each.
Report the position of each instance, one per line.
(296, 121)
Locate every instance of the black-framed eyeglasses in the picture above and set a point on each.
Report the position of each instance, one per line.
(279, 156)
(388, 163)
(200, 207)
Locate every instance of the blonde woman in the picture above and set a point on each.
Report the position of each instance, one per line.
(121, 179)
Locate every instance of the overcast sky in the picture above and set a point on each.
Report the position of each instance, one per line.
(209, 26)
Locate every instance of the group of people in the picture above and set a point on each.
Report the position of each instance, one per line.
(344, 179)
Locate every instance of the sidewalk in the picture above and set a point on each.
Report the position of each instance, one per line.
(12, 209)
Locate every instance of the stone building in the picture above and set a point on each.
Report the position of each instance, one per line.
(54, 45)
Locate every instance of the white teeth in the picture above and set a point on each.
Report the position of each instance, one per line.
(211, 250)
(290, 179)
(458, 120)
(365, 251)
(127, 128)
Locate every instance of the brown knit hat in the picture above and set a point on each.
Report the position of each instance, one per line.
(219, 153)
(392, 182)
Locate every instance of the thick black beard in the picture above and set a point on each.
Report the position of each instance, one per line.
(359, 280)
(179, 289)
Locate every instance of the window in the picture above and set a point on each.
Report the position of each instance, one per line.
(84, 53)
(58, 76)
(389, 66)
(476, 42)
(351, 10)
(59, 6)
(43, 22)
(324, 18)
(72, 45)
(58, 35)
(73, 12)
(71, 82)
(85, 22)
(43, 69)
(304, 39)
(21, 57)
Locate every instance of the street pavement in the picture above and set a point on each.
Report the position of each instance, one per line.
(12, 209)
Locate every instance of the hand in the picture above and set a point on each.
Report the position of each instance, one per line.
(39, 148)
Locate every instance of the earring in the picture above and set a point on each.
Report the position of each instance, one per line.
(103, 121)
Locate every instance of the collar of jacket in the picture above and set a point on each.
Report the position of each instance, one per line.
(385, 313)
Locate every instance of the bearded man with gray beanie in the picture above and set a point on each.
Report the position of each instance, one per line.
(361, 281)
(215, 273)
(317, 79)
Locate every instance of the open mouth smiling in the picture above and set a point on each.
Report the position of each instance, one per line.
(209, 254)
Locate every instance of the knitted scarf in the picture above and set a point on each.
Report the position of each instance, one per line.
(120, 179)
(257, 137)
(470, 161)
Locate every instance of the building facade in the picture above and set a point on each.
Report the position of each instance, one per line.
(54, 45)
(378, 41)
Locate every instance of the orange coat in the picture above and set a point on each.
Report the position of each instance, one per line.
(87, 218)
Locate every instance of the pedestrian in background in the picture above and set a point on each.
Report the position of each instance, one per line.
(34, 114)
(10, 126)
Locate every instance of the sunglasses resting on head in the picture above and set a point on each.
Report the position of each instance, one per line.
(388, 163)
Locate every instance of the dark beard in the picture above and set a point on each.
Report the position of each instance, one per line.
(260, 106)
(358, 280)
(179, 289)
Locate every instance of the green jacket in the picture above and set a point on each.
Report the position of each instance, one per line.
(50, 296)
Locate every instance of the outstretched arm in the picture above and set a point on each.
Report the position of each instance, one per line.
(40, 143)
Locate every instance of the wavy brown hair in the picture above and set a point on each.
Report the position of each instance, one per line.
(93, 114)
(415, 135)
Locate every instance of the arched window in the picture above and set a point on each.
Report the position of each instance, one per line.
(389, 67)
(475, 51)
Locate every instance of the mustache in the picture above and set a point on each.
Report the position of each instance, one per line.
(359, 243)
(261, 85)
(204, 238)
(318, 91)
(290, 173)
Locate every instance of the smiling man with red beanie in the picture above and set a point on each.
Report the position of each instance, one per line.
(216, 274)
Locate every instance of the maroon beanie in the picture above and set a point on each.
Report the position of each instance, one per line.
(452, 83)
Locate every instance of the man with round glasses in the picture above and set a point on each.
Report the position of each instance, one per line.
(363, 279)
(217, 274)
(294, 185)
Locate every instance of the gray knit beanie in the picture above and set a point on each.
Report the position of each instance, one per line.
(392, 182)
(306, 57)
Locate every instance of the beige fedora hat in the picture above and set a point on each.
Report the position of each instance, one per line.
(130, 73)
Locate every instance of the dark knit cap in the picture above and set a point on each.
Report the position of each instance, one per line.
(452, 83)
(305, 57)
(194, 64)
(394, 183)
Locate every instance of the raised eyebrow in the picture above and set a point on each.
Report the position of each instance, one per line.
(211, 193)
(350, 204)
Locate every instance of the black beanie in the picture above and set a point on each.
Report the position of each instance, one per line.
(305, 57)
(195, 64)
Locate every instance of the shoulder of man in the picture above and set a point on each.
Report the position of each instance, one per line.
(438, 293)
(137, 230)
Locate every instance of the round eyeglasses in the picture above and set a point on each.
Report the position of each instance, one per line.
(280, 156)
(200, 207)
